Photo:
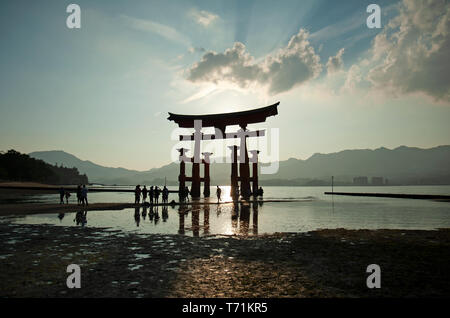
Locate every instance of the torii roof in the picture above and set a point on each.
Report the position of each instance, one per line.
(242, 118)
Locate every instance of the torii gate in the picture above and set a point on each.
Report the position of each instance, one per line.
(220, 122)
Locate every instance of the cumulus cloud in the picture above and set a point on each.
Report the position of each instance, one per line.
(335, 63)
(353, 78)
(203, 17)
(290, 66)
(412, 52)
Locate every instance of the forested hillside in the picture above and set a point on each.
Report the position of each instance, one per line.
(15, 166)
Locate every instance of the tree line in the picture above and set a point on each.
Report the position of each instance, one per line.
(15, 166)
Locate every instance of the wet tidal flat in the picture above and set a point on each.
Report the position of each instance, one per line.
(323, 263)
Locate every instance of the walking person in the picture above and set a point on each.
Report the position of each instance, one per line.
(79, 194)
(144, 194)
(67, 195)
(61, 195)
(218, 193)
(165, 195)
(157, 193)
(137, 194)
(151, 194)
(260, 192)
(84, 192)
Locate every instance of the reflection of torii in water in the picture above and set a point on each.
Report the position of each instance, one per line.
(240, 218)
(220, 122)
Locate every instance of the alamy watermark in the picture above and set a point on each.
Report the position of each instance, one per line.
(264, 148)
(374, 279)
(73, 21)
(74, 279)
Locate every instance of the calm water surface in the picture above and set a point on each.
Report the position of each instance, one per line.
(315, 211)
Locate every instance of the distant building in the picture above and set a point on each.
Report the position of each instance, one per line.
(360, 181)
(377, 181)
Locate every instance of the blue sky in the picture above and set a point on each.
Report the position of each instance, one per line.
(102, 92)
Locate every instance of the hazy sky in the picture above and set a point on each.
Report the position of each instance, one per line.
(102, 92)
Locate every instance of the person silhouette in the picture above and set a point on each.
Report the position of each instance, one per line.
(151, 194)
(84, 197)
(260, 192)
(165, 195)
(137, 194)
(144, 194)
(218, 193)
(157, 193)
(79, 201)
(67, 195)
(61, 195)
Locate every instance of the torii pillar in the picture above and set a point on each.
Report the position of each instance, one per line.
(206, 180)
(244, 167)
(234, 170)
(254, 161)
(182, 176)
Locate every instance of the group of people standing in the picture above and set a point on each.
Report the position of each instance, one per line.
(81, 195)
(153, 193)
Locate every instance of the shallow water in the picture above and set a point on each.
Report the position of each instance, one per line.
(269, 193)
(314, 212)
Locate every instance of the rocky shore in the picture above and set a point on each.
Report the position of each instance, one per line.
(324, 263)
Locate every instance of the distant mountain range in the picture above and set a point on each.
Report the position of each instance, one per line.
(402, 165)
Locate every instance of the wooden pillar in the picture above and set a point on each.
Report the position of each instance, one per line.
(195, 185)
(234, 169)
(244, 171)
(254, 161)
(182, 176)
(206, 183)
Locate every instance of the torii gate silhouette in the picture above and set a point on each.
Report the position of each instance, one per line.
(220, 122)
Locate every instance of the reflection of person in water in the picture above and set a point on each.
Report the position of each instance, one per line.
(156, 215)
(81, 218)
(151, 214)
(219, 210)
(165, 214)
(144, 211)
(137, 216)
(61, 195)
